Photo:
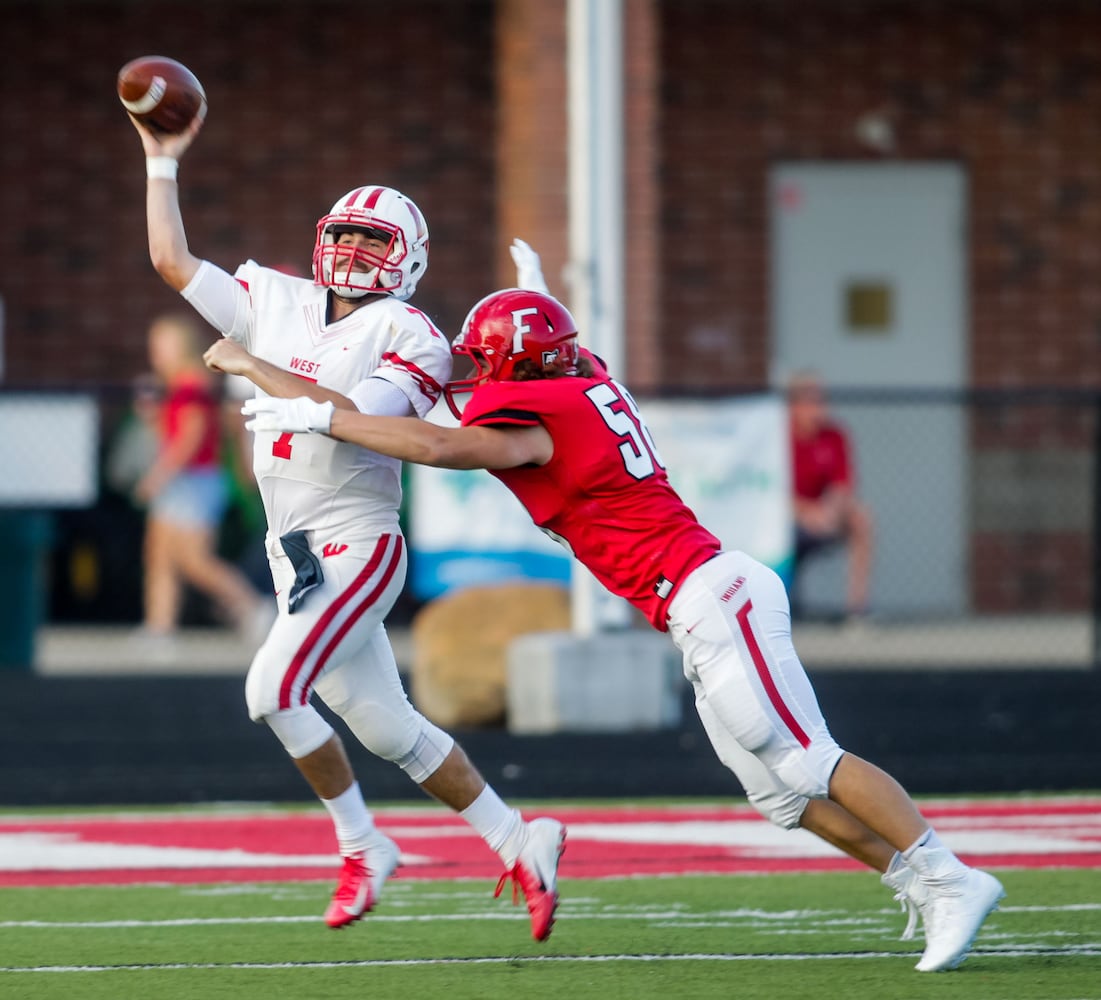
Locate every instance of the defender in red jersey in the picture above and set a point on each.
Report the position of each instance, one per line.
(570, 443)
(613, 508)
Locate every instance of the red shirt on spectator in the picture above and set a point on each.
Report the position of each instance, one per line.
(820, 462)
(190, 392)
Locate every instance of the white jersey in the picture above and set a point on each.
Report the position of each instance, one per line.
(311, 481)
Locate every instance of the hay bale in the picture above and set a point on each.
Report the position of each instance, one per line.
(460, 647)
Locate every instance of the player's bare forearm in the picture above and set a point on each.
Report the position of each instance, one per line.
(228, 356)
(413, 440)
(286, 385)
(168, 249)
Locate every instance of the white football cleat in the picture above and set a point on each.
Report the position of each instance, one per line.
(960, 899)
(910, 893)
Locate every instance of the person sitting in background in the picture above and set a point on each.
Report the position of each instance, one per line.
(826, 507)
(185, 491)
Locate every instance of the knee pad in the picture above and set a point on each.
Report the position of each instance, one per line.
(407, 738)
(808, 772)
(780, 806)
(386, 730)
(260, 698)
(301, 730)
(764, 789)
(428, 752)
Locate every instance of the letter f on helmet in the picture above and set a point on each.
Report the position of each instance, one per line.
(508, 327)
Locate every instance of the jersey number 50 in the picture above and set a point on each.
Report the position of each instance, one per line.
(620, 412)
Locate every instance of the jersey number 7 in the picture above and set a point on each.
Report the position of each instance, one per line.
(281, 446)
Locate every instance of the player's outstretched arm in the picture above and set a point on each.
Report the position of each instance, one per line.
(229, 357)
(168, 249)
(529, 269)
(406, 438)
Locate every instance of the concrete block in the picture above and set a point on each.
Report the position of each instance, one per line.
(609, 682)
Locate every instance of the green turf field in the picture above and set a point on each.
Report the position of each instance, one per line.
(740, 937)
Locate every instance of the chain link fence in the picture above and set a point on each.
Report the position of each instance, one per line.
(985, 506)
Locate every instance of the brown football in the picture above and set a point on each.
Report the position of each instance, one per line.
(162, 94)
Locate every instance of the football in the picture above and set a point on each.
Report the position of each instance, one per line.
(162, 94)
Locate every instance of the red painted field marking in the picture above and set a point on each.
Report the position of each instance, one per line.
(196, 846)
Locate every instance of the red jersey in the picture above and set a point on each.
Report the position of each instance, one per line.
(604, 493)
(184, 394)
(820, 462)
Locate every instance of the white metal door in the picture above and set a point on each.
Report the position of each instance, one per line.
(868, 290)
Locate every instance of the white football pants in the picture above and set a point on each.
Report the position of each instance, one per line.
(336, 645)
(732, 622)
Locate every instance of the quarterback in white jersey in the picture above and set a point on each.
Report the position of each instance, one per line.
(312, 482)
(334, 544)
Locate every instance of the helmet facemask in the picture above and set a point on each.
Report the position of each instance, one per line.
(354, 271)
(484, 368)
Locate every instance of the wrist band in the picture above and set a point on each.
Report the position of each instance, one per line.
(162, 168)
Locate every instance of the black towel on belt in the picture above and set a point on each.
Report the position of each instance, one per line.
(307, 568)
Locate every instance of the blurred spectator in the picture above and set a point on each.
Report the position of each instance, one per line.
(186, 492)
(827, 509)
(134, 443)
(244, 528)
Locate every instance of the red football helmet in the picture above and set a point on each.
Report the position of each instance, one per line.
(510, 326)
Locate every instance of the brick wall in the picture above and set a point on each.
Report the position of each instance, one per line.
(461, 104)
(645, 251)
(530, 142)
(1010, 89)
(306, 102)
(303, 109)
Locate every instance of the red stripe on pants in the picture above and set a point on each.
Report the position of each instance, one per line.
(370, 599)
(325, 621)
(766, 677)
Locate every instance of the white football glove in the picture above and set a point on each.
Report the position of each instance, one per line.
(529, 271)
(288, 416)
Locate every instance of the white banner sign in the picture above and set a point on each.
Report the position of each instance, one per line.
(728, 459)
(48, 450)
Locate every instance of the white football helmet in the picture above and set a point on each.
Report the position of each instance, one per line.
(388, 214)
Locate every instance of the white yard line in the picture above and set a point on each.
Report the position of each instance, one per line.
(1088, 951)
(670, 916)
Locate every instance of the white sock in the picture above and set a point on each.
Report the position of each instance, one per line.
(928, 839)
(499, 825)
(352, 820)
(898, 862)
(919, 855)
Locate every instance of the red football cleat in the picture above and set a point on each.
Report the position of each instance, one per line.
(536, 874)
(361, 881)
